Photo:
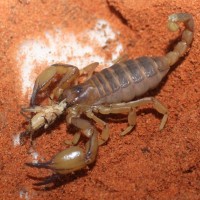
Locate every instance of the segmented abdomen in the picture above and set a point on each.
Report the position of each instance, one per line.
(123, 82)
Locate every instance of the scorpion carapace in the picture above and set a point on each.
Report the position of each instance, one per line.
(111, 90)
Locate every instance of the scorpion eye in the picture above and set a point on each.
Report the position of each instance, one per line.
(78, 89)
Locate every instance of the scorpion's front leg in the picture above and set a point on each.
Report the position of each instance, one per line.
(74, 158)
(105, 132)
(104, 136)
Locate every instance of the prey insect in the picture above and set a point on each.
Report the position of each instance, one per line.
(110, 91)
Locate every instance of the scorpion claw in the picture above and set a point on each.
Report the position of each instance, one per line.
(69, 73)
(43, 181)
(65, 162)
(40, 165)
(46, 181)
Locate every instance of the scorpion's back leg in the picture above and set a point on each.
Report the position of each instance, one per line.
(68, 72)
(122, 109)
(130, 109)
(162, 109)
(131, 121)
(104, 134)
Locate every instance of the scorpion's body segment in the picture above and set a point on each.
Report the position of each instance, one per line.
(121, 82)
(108, 91)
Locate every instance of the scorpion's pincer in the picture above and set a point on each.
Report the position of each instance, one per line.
(66, 161)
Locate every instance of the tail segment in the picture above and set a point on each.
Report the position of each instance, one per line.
(165, 62)
(187, 36)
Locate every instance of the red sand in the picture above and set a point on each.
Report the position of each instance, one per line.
(147, 164)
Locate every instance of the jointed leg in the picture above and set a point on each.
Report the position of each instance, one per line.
(75, 139)
(90, 132)
(131, 121)
(123, 108)
(121, 59)
(129, 107)
(156, 104)
(89, 69)
(105, 132)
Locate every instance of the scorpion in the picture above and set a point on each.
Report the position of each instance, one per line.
(110, 91)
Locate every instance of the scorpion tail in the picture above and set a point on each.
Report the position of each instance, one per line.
(165, 62)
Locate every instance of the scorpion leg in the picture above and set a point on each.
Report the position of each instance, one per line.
(69, 73)
(89, 69)
(156, 104)
(75, 139)
(90, 132)
(119, 108)
(105, 132)
(121, 59)
(129, 107)
(74, 158)
(131, 121)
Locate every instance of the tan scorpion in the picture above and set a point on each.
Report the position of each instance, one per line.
(110, 91)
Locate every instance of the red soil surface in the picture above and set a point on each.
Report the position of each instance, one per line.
(146, 164)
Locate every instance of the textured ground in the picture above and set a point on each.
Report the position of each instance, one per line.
(147, 164)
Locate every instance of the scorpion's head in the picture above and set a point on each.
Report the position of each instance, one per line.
(44, 115)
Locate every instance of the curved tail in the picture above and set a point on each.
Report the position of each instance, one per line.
(187, 36)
